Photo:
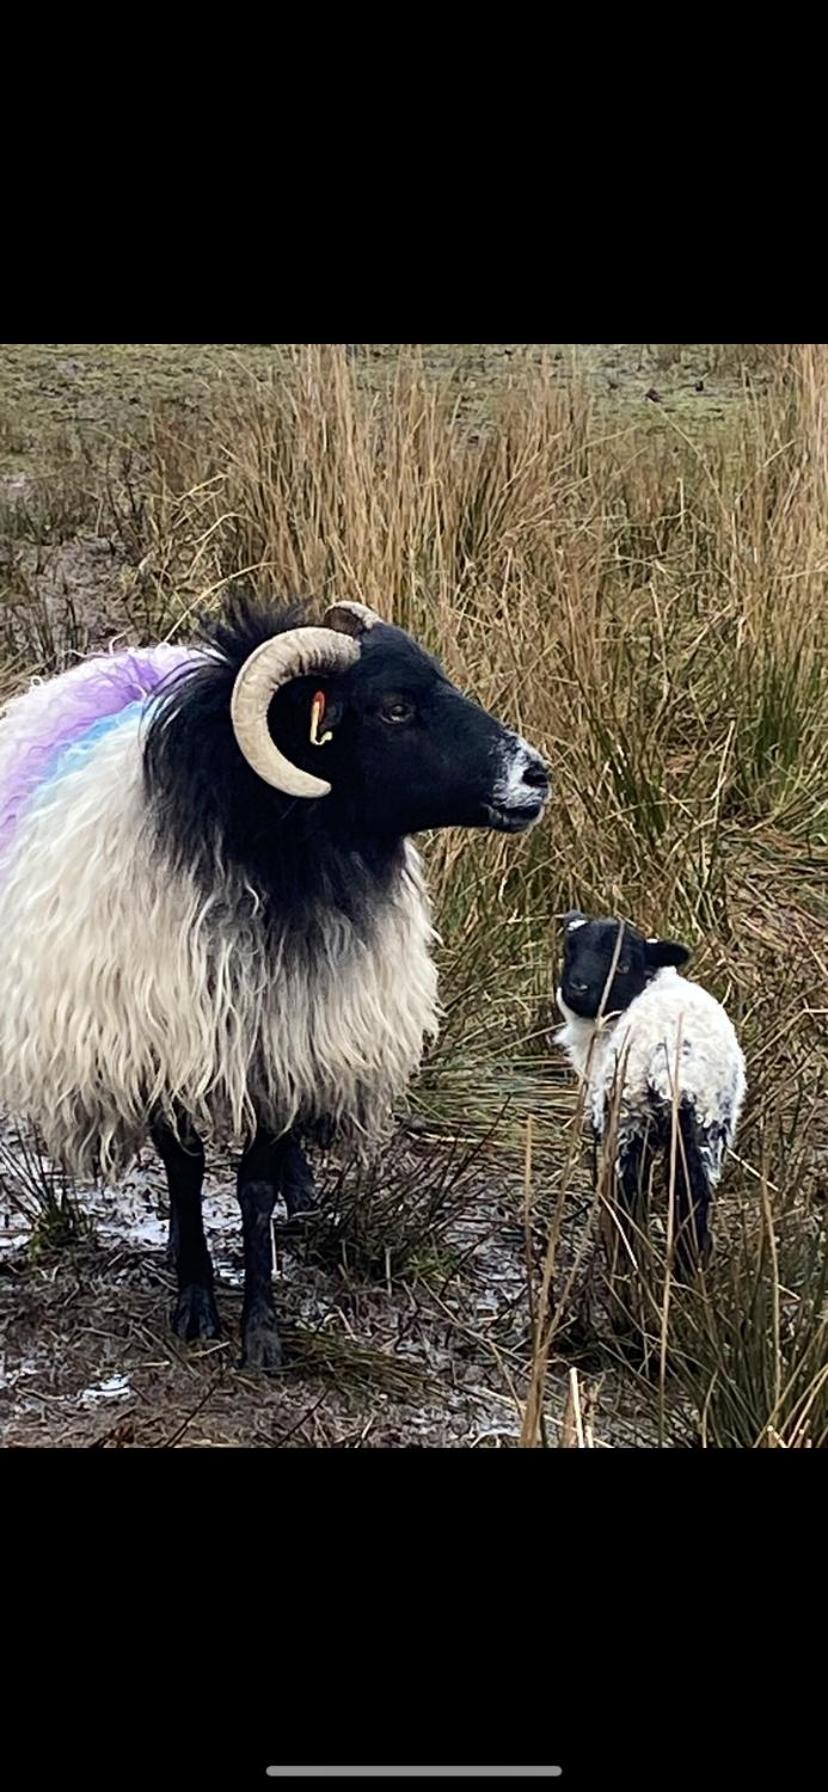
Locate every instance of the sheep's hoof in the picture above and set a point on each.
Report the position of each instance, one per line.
(195, 1314)
(261, 1345)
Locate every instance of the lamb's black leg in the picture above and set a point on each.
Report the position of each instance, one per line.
(632, 1179)
(692, 1197)
(628, 1266)
(195, 1314)
(270, 1167)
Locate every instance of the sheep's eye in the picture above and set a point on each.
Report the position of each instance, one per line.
(623, 968)
(397, 709)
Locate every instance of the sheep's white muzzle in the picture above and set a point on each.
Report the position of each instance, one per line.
(522, 790)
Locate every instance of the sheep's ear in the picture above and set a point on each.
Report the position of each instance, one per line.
(659, 953)
(575, 917)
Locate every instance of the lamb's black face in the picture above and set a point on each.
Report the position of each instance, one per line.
(589, 949)
(408, 751)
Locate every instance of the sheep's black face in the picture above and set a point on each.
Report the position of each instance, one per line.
(407, 750)
(589, 950)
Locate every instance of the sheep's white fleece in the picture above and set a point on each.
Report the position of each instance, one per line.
(675, 1031)
(123, 988)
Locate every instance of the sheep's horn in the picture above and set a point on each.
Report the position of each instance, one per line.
(350, 619)
(295, 654)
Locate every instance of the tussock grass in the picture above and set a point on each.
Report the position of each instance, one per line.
(43, 1194)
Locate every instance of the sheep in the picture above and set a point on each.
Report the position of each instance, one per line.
(215, 924)
(641, 1035)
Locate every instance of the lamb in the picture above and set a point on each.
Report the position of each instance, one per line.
(648, 1040)
(214, 922)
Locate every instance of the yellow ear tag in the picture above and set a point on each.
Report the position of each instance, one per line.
(318, 716)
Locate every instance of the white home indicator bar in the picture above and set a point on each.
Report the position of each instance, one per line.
(414, 1773)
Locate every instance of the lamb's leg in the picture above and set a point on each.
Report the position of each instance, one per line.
(632, 1180)
(195, 1314)
(633, 1165)
(269, 1167)
(692, 1197)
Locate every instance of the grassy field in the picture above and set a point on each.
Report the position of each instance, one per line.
(623, 550)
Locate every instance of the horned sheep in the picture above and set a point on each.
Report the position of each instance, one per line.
(214, 922)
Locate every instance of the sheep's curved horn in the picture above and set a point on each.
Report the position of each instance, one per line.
(350, 619)
(295, 654)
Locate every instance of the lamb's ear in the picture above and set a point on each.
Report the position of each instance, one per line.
(574, 918)
(659, 953)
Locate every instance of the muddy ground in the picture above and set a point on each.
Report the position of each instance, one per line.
(435, 1356)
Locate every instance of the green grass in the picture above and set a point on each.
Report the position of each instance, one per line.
(52, 394)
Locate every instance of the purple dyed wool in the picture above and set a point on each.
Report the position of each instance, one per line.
(97, 688)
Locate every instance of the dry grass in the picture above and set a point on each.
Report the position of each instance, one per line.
(650, 609)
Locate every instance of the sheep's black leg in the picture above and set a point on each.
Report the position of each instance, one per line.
(692, 1198)
(269, 1168)
(195, 1314)
(297, 1178)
